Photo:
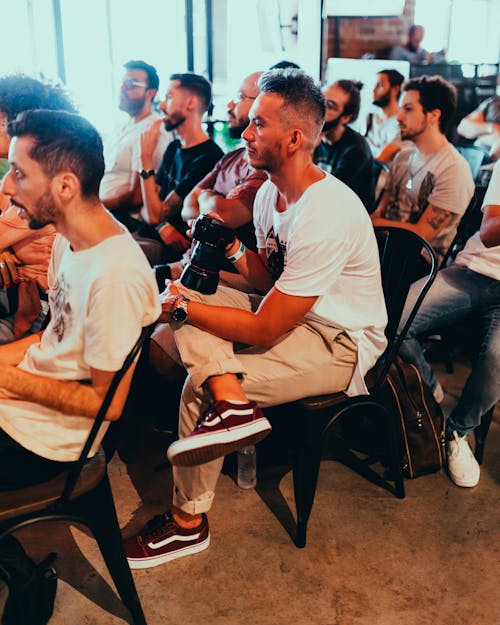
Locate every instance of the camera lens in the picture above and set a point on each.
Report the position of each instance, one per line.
(202, 272)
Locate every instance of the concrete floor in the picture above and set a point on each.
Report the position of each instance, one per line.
(430, 559)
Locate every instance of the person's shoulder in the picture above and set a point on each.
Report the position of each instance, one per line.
(232, 157)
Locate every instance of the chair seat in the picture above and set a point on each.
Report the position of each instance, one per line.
(320, 402)
(16, 503)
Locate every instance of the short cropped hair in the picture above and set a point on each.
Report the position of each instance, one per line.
(303, 100)
(284, 65)
(63, 141)
(197, 84)
(20, 92)
(152, 74)
(435, 93)
(352, 88)
(394, 77)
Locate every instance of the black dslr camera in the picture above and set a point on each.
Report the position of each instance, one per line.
(202, 271)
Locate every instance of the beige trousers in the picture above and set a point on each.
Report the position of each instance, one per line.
(310, 359)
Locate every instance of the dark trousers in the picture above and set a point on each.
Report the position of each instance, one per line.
(20, 467)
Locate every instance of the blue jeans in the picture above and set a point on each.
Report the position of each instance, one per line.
(456, 293)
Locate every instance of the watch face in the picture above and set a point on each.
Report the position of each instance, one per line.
(146, 174)
(179, 314)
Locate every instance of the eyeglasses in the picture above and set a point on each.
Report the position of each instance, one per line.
(129, 83)
(331, 105)
(243, 96)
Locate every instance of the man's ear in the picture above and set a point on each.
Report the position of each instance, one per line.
(295, 140)
(345, 119)
(65, 186)
(435, 115)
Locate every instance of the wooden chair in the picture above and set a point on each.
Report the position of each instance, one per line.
(82, 495)
(311, 418)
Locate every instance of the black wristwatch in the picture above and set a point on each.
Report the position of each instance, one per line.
(146, 174)
(179, 313)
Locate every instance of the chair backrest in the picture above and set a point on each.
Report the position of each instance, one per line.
(400, 254)
(75, 470)
(475, 156)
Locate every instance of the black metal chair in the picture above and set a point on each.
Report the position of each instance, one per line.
(311, 418)
(480, 434)
(82, 495)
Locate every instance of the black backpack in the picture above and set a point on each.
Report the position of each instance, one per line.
(29, 588)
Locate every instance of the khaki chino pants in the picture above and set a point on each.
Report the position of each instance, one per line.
(310, 359)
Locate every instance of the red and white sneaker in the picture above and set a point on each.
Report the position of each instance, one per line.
(225, 427)
(162, 540)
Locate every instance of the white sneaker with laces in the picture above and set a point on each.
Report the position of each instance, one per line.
(463, 468)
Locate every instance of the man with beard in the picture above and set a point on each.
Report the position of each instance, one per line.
(430, 183)
(24, 253)
(101, 294)
(318, 329)
(120, 190)
(229, 189)
(186, 161)
(382, 128)
(342, 151)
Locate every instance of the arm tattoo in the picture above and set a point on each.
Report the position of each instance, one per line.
(438, 218)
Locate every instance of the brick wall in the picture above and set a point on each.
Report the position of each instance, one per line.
(361, 35)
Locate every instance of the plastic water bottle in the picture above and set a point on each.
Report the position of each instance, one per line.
(247, 467)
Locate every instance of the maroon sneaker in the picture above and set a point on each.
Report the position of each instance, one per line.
(162, 540)
(222, 429)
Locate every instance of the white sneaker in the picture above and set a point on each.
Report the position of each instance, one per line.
(463, 468)
(438, 393)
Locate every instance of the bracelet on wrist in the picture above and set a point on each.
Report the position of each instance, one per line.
(238, 254)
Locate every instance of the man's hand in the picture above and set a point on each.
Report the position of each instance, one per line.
(168, 298)
(149, 141)
(8, 269)
(173, 239)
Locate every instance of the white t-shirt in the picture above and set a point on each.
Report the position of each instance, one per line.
(383, 130)
(100, 298)
(475, 255)
(443, 180)
(330, 251)
(122, 155)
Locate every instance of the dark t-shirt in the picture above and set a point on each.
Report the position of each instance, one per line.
(350, 160)
(182, 168)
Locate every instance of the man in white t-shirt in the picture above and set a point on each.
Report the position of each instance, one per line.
(382, 128)
(470, 286)
(101, 293)
(120, 189)
(319, 328)
(430, 185)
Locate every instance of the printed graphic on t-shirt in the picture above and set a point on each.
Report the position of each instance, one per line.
(403, 199)
(61, 308)
(276, 253)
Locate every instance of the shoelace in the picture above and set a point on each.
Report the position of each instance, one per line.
(461, 449)
(210, 413)
(156, 526)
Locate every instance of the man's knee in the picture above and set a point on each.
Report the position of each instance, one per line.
(163, 364)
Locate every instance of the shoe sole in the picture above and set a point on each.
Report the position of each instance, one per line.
(152, 561)
(202, 448)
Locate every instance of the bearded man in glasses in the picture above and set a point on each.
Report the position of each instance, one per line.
(120, 190)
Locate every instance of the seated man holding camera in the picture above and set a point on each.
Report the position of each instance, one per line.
(318, 329)
(230, 188)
